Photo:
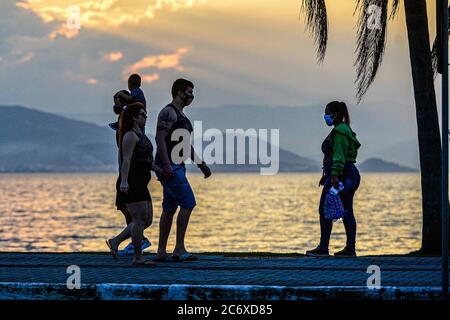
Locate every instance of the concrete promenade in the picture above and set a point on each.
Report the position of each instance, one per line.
(44, 276)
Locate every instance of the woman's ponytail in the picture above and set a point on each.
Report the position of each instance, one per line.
(345, 113)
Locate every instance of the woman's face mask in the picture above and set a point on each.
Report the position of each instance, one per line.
(328, 119)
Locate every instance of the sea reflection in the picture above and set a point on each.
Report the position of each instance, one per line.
(245, 212)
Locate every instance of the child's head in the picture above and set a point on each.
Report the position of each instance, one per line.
(134, 81)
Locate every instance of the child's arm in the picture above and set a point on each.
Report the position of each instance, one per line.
(125, 97)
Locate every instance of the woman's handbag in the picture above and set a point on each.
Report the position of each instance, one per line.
(334, 209)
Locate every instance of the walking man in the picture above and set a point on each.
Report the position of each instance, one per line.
(177, 191)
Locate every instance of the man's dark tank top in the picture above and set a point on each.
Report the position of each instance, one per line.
(182, 123)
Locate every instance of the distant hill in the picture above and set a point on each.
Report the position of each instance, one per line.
(35, 141)
(302, 128)
(288, 162)
(405, 153)
(379, 165)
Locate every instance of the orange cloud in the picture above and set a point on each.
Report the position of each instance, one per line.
(150, 77)
(114, 56)
(90, 13)
(92, 81)
(160, 62)
(65, 32)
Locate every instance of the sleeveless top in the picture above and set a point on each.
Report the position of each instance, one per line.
(142, 154)
(182, 123)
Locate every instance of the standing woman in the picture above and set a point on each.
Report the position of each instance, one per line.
(136, 157)
(340, 150)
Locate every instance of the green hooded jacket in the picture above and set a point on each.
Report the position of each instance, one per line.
(345, 148)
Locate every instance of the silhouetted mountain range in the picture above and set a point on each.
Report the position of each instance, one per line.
(35, 141)
(385, 129)
(32, 140)
(379, 165)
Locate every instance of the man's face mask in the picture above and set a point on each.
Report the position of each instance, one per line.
(187, 97)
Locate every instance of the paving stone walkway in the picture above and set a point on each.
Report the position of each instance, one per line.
(222, 270)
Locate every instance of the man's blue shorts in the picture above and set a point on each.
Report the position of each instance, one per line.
(177, 191)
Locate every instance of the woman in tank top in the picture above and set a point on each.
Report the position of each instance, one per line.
(136, 163)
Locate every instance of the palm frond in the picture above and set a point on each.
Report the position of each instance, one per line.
(371, 42)
(395, 7)
(434, 57)
(434, 52)
(317, 24)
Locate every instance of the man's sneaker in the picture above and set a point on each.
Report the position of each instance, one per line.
(345, 253)
(129, 249)
(317, 252)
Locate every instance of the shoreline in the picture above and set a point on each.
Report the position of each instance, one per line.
(232, 254)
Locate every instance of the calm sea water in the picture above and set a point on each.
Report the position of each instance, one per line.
(75, 212)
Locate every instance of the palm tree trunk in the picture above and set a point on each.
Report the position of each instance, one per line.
(427, 123)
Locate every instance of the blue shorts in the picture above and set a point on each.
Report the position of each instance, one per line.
(177, 191)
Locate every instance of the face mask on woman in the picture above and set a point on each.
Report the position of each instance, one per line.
(328, 119)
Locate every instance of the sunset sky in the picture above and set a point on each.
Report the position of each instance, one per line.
(236, 52)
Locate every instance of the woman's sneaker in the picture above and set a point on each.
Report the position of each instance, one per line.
(129, 249)
(145, 244)
(317, 252)
(345, 253)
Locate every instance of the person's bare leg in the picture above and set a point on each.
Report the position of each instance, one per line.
(165, 224)
(148, 219)
(149, 215)
(125, 234)
(126, 215)
(182, 224)
(138, 211)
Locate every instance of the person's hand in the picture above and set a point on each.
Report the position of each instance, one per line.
(167, 172)
(124, 186)
(157, 169)
(322, 181)
(335, 181)
(205, 169)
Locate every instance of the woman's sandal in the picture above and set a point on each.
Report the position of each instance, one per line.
(113, 252)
